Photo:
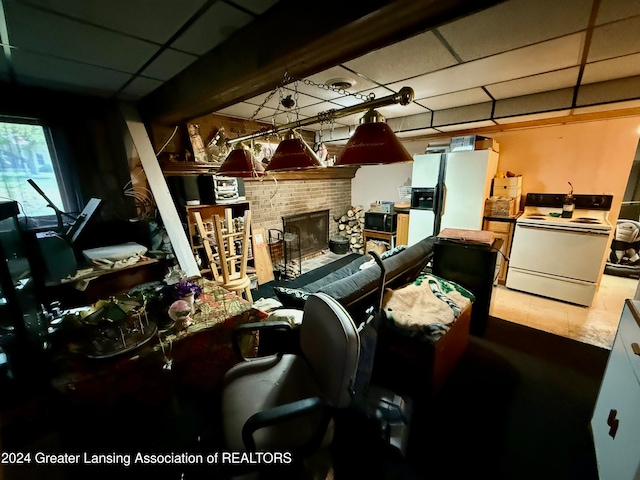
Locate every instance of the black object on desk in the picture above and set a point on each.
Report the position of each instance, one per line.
(473, 266)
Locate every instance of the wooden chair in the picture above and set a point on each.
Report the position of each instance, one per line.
(228, 261)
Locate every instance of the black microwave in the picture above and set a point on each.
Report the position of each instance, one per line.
(382, 222)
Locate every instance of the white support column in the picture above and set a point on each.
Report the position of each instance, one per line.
(160, 190)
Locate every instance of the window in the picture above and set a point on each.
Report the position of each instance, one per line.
(26, 152)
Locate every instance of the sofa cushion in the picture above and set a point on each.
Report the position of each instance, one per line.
(292, 297)
(343, 272)
(361, 288)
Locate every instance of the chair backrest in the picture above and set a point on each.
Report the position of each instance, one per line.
(229, 259)
(205, 236)
(233, 258)
(330, 342)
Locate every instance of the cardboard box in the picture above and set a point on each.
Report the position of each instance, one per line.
(501, 206)
(473, 142)
(382, 207)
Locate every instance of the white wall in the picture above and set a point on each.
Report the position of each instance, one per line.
(379, 182)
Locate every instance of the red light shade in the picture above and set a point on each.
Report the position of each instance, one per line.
(373, 144)
(293, 154)
(240, 163)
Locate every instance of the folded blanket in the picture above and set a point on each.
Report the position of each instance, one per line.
(427, 307)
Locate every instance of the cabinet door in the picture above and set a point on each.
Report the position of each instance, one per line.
(402, 229)
(503, 231)
(616, 418)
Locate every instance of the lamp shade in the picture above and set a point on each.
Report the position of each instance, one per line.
(293, 154)
(373, 144)
(240, 163)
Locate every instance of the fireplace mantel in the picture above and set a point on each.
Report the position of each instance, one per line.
(193, 168)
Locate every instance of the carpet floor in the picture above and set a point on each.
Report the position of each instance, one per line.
(517, 406)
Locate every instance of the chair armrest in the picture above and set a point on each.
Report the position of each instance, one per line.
(286, 412)
(239, 330)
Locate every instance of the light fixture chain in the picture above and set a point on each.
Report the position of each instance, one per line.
(340, 91)
(285, 80)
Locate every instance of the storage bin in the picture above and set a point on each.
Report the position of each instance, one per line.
(339, 244)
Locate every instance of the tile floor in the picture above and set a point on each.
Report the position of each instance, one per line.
(596, 325)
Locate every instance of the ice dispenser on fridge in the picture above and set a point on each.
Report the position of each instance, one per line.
(423, 198)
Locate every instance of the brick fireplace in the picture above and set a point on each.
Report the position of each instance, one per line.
(271, 201)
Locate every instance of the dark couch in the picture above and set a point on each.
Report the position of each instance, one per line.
(357, 289)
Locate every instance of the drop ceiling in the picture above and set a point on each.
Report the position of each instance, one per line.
(511, 61)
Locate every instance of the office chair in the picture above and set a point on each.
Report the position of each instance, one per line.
(285, 402)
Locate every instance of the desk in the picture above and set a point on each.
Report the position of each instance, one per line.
(195, 357)
(389, 237)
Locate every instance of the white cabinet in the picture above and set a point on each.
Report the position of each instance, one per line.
(616, 418)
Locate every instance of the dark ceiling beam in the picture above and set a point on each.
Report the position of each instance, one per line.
(254, 60)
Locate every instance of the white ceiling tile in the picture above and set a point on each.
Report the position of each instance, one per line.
(615, 39)
(397, 110)
(542, 82)
(468, 113)
(456, 99)
(411, 122)
(152, 20)
(243, 110)
(34, 68)
(607, 107)
(414, 133)
(141, 86)
(539, 102)
(619, 67)
(35, 30)
(514, 24)
(466, 126)
(353, 119)
(611, 91)
(212, 28)
(532, 117)
(543, 57)
(346, 101)
(256, 6)
(281, 94)
(168, 64)
(611, 10)
(281, 118)
(408, 58)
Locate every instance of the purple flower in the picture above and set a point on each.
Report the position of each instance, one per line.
(184, 288)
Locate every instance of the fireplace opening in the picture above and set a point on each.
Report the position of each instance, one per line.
(313, 230)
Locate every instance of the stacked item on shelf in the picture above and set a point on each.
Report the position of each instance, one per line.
(505, 199)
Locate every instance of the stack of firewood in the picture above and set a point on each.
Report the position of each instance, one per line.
(351, 226)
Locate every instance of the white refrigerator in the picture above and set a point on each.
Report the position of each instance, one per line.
(448, 190)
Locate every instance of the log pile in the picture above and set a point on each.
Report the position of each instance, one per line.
(351, 226)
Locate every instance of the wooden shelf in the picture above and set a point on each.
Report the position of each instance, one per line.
(172, 169)
(192, 168)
